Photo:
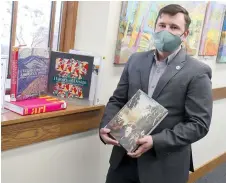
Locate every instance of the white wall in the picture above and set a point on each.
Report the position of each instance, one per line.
(82, 158)
(77, 158)
(213, 144)
(97, 33)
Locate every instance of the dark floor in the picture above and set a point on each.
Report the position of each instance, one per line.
(218, 175)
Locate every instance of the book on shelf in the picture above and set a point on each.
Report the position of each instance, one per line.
(139, 117)
(70, 75)
(29, 72)
(42, 104)
(94, 94)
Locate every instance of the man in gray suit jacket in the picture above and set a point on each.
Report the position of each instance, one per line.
(181, 84)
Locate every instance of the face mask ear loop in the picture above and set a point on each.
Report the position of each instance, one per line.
(182, 44)
(182, 34)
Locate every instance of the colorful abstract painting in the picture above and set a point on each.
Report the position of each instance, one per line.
(136, 26)
(196, 10)
(211, 29)
(221, 57)
(137, 22)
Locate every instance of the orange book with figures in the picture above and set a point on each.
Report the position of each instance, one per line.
(36, 106)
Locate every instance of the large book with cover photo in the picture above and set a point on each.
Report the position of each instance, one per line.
(29, 72)
(139, 117)
(70, 75)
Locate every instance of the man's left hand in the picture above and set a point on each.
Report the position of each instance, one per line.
(146, 143)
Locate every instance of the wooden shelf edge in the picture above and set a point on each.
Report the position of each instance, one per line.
(21, 134)
(10, 118)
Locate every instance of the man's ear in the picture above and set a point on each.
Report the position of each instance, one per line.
(186, 33)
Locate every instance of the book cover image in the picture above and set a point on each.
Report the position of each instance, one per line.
(139, 117)
(29, 73)
(70, 75)
(97, 74)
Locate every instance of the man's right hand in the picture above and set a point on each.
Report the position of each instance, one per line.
(105, 137)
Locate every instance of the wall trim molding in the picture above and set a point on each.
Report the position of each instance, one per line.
(206, 168)
(219, 93)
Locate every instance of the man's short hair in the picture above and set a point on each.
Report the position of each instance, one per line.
(172, 10)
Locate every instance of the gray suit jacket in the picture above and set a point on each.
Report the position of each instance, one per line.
(187, 94)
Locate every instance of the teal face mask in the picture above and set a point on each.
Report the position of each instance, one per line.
(166, 42)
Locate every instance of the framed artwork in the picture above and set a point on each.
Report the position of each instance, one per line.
(196, 10)
(212, 27)
(136, 26)
(221, 57)
(137, 21)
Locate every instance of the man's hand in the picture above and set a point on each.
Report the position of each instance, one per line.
(105, 137)
(146, 143)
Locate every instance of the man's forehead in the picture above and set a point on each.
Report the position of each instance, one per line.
(176, 19)
(178, 16)
(170, 23)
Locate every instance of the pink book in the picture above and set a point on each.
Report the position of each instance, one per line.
(36, 106)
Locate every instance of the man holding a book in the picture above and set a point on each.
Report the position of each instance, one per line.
(178, 82)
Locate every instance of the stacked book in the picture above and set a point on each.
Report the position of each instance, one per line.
(41, 80)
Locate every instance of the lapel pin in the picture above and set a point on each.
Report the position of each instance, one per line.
(178, 67)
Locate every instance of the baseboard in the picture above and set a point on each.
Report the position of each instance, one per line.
(206, 168)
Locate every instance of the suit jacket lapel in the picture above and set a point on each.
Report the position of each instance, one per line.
(172, 69)
(145, 71)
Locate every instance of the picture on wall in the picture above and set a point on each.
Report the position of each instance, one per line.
(136, 26)
(196, 10)
(137, 23)
(221, 57)
(212, 27)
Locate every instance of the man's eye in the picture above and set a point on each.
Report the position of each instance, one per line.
(162, 26)
(174, 27)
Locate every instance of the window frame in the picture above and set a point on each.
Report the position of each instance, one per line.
(67, 25)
